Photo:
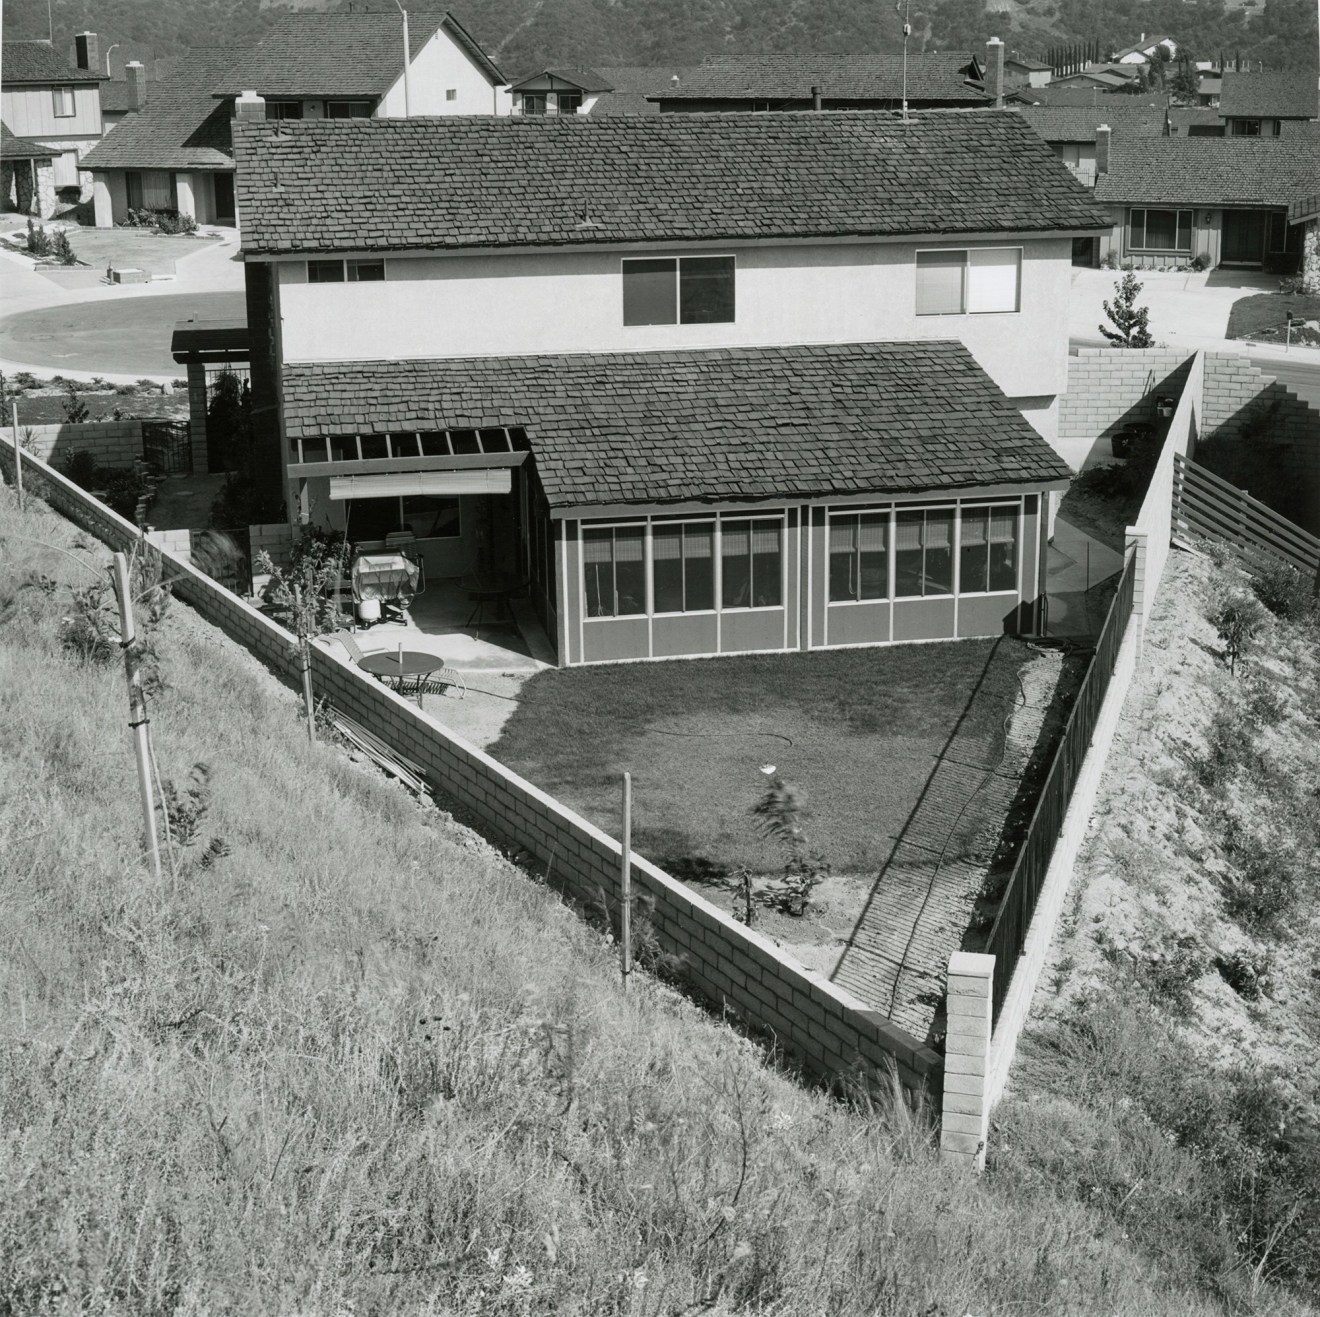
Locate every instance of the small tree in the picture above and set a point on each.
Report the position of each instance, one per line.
(1185, 83)
(75, 410)
(62, 249)
(38, 240)
(1237, 620)
(1132, 322)
(782, 813)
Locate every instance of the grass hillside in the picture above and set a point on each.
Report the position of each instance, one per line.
(345, 1058)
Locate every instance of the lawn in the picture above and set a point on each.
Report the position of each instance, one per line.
(129, 249)
(856, 731)
(357, 1062)
(1265, 315)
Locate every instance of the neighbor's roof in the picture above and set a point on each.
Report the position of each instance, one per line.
(1273, 95)
(1186, 117)
(584, 79)
(841, 77)
(19, 148)
(116, 96)
(471, 182)
(341, 54)
(182, 125)
(646, 79)
(1072, 94)
(36, 61)
(714, 424)
(1023, 62)
(1211, 171)
(1148, 43)
(1077, 123)
(1304, 208)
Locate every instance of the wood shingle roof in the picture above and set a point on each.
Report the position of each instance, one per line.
(716, 424)
(1285, 95)
(36, 62)
(477, 182)
(1210, 171)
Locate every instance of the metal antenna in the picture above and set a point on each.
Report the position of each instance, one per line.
(904, 7)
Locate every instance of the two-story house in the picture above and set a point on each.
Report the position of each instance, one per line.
(176, 152)
(711, 383)
(47, 102)
(1268, 104)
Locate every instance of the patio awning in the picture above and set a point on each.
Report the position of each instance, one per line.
(485, 480)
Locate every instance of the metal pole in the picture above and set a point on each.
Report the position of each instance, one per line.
(625, 886)
(407, 59)
(305, 657)
(18, 459)
(137, 707)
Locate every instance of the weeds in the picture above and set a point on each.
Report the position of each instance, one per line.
(1230, 746)
(1248, 973)
(1264, 890)
(1287, 593)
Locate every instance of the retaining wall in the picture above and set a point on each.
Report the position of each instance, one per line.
(827, 1030)
(1109, 388)
(111, 443)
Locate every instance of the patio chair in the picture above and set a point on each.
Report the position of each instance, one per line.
(349, 642)
(441, 681)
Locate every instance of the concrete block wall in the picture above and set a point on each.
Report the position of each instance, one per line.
(111, 443)
(275, 538)
(197, 415)
(1247, 409)
(178, 542)
(1109, 388)
(965, 1118)
(827, 1030)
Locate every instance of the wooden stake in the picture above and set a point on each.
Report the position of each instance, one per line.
(18, 459)
(305, 655)
(625, 888)
(137, 707)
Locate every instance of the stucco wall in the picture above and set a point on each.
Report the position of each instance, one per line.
(500, 305)
(441, 66)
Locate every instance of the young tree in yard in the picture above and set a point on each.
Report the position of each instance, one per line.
(1132, 327)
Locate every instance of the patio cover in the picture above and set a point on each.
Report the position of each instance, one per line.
(490, 480)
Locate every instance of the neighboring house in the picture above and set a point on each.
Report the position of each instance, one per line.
(1226, 201)
(1102, 77)
(563, 90)
(27, 176)
(350, 66)
(45, 100)
(1305, 214)
(711, 384)
(1149, 50)
(1267, 104)
(174, 154)
(1071, 130)
(177, 153)
(1209, 88)
(122, 97)
(1022, 72)
(948, 79)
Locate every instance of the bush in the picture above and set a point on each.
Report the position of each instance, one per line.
(75, 410)
(1170, 972)
(62, 249)
(1249, 974)
(123, 489)
(162, 218)
(80, 466)
(1286, 592)
(1237, 620)
(38, 240)
(1229, 746)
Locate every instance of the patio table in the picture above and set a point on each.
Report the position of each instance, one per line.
(401, 664)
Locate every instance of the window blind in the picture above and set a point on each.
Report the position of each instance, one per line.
(940, 281)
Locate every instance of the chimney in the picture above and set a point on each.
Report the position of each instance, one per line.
(815, 98)
(994, 70)
(250, 106)
(87, 52)
(1102, 149)
(136, 77)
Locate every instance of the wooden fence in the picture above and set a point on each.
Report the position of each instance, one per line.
(1009, 933)
(1206, 504)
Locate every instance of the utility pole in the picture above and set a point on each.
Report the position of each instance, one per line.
(407, 59)
(137, 706)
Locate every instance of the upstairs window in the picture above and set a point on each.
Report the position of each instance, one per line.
(336, 272)
(533, 102)
(975, 281)
(687, 290)
(570, 102)
(284, 110)
(65, 107)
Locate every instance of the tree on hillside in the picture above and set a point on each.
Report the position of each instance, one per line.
(1184, 82)
(1131, 322)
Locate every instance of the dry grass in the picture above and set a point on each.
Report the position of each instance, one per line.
(363, 1064)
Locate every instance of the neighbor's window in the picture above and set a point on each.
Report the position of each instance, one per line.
(683, 566)
(988, 553)
(1160, 230)
(346, 110)
(688, 290)
(923, 552)
(570, 102)
(533, 102)
(284, 110)
(333, 272)
(977, 281)
(859, 556)
(451, 93)
(614, 570)
(752, 569)
(64, 102)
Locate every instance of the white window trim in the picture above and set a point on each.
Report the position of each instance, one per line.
(1161, 251)
(1020, 505)
(954, 546)
(888, 597)
(57, 96)
(648, 523)
(966, 251)
(678, 258)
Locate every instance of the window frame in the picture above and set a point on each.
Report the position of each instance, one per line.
(781, 517)
(283, 109)
(966, 253)
(352, 103)
(848, 513)
(679, 524)
(62, 96)
(678, 261)
(955, 549)
(349, 271)
(535, 96)
(1177, 212)
(613, 527)
(986, 506)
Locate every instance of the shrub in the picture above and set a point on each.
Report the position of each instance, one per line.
(173, 221)
(1237, 621)
(1286, 592)
(123, 490)
(75, 410)
(782, 814)
(1266, 887)
(1229, 745)
(1248, 973)
(1108, 480)
(1170, 971)
(1131, 322)
(38, 240)
(80, 466)
(62, 249)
